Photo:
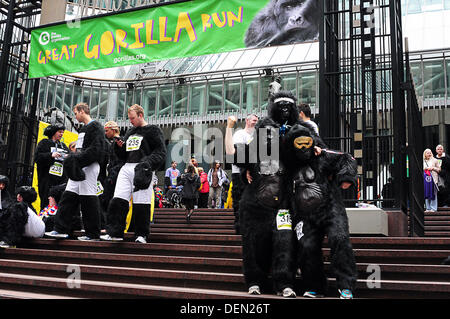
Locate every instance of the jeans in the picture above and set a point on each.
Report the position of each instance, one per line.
(215, 194)
(431, 204)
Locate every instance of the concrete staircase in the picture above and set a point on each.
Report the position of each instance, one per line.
(438, 224)
(203, 259)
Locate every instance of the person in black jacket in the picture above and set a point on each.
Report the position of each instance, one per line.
(144, 151)
(82, 168)
(189, 194)
(111, 170)
(49, 158)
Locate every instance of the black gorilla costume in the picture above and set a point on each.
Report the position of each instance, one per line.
(44, 161)
(284, 22)
(318, 209)
(90, 150)
(147, 157)
(14, 218)
(267, 244)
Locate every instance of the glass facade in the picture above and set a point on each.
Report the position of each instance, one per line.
(431, 73)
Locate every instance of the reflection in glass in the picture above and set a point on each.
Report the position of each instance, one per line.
(215, 97)
(165, 101)
(197, 99)
(232, 95)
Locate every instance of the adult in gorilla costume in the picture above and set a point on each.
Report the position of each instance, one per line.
(49, 158)
(143, 150)
(267, 235)
(82, 168)
(318, 210)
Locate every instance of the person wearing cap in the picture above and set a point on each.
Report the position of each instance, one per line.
(49, 158)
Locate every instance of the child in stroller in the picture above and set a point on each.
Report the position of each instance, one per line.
(173, 197)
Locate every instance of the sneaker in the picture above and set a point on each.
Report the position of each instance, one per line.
(87, 238)
(4, 245)
(107, 237)
(254, 290)
(312, 294)
(287, 293)
(55, 234)
(345, 294)
(141, 239)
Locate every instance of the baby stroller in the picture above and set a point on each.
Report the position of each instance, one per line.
(173, 197)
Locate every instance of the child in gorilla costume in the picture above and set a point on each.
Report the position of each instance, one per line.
(267, 236)
(19, 219)
(318, 210)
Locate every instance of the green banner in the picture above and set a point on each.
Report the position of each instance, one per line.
(163, 32)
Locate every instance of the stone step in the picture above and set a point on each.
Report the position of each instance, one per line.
(97, 289)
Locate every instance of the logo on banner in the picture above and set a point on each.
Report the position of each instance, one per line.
(44, 38)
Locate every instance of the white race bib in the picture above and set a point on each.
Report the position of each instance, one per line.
(134, 143)
(284, 221)
(56, 169)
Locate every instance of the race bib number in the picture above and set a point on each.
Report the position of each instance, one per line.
(100, 188)
(134, 143)
(56, 169)
(284, 221)
(299, 230)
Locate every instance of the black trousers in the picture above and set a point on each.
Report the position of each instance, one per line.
(117, 215)
(236, 194)
(68, 211)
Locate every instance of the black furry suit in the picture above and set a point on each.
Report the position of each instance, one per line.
(150, 156)
(318, 205)
(265, 247)
(44, 160)
(92, 151)
(12, 222)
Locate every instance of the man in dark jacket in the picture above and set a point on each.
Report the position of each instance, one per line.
(82, 169)
(49, 158)
(144, 151)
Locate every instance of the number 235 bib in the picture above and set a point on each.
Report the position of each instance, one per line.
(134, 143)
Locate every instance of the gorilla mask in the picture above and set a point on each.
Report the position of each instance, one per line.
(300, 143)
(282, 108)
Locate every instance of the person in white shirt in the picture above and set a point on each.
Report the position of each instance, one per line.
(305, 115)
(244, 135)
(35, 227)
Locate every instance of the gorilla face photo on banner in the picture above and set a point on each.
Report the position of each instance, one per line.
(284, 22)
